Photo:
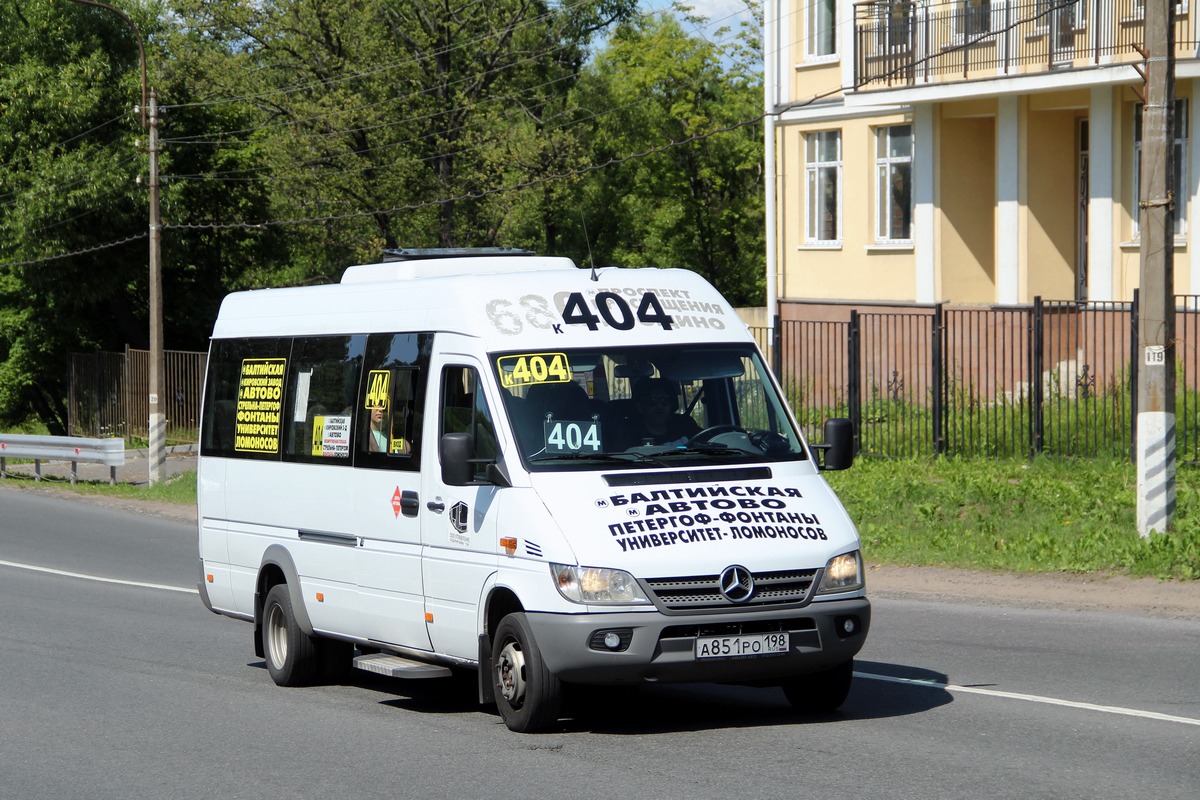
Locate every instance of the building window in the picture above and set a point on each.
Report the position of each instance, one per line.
(893, 184)
(976, 17)
(1179, 187)
(823, 171)
(895, 35)
(822, 28)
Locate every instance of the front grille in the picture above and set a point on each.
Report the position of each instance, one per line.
(737, 628)
(702, 592)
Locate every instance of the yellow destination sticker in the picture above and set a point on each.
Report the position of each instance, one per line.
(531, 368)
(377, 389)
(259, 405)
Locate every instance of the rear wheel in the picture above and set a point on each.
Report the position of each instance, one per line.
(528, 695)
(292, 655)
(820, 692)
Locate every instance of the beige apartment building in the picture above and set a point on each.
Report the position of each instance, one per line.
(968, 152)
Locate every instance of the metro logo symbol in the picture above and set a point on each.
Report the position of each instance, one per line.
(378, 383)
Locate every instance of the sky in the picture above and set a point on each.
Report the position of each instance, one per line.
(720, 13)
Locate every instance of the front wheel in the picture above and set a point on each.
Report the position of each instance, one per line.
(820, 692)
(528, 695)
(292, 656)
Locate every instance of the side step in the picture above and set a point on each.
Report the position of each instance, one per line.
(399, 667)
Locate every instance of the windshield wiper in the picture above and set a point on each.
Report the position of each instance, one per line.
(588, 457)
(708, 450)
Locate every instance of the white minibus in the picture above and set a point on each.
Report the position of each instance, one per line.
(499, 462)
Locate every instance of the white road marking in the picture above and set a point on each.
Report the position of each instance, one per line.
(950, 687)
(1031, 698)
(162, 586)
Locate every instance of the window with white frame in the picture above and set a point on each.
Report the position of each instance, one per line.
(823, 182)
(893, 183)
(1179, 186)
(822, 28)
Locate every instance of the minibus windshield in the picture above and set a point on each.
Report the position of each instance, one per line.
(586, 409)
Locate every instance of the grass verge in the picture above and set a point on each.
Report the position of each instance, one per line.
(1049, 515)
(179, 489)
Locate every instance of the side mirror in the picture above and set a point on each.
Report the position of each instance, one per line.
(838, 449)
(456, 451)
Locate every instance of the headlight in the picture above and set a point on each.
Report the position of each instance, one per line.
(843, 573)
(594, 585)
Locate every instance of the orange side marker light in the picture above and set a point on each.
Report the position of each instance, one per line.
(509, 543)
(320, 597)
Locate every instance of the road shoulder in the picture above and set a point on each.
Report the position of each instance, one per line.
(1058, 590)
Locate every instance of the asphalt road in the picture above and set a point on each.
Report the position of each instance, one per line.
(121, 685)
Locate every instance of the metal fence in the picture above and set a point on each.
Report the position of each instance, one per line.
(1053, 377)
(110, 394)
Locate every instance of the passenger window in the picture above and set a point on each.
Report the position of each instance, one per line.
(393, 393)
(323, 380)
(465, 410)
(243, 409)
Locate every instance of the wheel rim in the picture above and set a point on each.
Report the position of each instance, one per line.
(510, 672)
(277, 638)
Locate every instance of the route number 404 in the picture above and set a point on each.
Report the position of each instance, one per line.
(615, 311)
(608, 307)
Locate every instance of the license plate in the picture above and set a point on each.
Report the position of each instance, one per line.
(744, 646)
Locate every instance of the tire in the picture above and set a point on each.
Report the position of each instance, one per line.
(820, 692)
(528, 695)
(292, 656)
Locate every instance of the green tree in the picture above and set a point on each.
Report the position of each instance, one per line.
(73, 206)
(678, 118)
(388, 123)
(69, 77)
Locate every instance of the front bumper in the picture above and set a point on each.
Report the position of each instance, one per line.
(662, 647)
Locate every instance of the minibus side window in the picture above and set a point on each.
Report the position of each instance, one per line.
(391, 398)
(243, 401)
(464, 409)
(323, 379)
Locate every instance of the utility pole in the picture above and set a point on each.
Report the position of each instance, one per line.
(149, 112)
(1156, 325)
(158, 420)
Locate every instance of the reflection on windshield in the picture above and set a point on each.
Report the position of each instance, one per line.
(656, 405)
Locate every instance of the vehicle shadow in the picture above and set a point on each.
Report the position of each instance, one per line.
(672, 708)
(687, 707)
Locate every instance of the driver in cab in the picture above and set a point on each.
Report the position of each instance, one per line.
(657, 421)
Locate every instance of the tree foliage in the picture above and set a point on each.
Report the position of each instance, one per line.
(298, 136)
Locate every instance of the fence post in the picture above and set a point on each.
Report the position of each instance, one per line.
(938, 380)
(126, 400)
(1037, 337)
(777, 349)
(1134, 320)
(853, 378)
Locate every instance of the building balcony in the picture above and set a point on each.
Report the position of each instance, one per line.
(899, 44)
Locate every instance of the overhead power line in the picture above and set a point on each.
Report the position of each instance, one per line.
(80, 252)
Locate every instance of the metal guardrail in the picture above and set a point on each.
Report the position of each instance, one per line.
(110, 452)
